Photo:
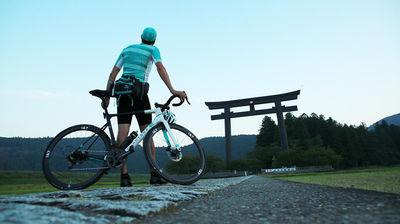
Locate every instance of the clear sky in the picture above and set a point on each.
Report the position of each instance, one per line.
(343, 55)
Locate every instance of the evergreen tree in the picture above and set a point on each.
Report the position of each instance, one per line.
(347, 146)
(268, 132)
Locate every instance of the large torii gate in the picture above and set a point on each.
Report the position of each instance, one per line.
(278, 109)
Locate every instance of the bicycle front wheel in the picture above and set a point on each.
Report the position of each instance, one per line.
(179, 167)
(75, 158)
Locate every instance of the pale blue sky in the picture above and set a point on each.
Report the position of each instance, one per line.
(344, 56)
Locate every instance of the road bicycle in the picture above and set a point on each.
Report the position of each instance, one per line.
(80, 155)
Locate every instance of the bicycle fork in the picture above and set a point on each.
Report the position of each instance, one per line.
(173, 151)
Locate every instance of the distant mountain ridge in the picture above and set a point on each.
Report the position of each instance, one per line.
(391, 120)
(27, 153)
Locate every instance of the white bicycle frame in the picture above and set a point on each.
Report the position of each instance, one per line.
(158, 119)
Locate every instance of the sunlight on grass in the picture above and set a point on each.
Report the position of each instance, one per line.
(24, 182)
(378, 179)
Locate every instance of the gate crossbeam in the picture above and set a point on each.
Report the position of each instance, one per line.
(252, 112)
(278, 109)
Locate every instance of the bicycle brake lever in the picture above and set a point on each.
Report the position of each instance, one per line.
(187, 100)
(180, 103)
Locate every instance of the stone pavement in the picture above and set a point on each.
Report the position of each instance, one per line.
(105, 205)
(251, 199)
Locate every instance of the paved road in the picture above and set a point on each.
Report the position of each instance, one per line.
(266, 200)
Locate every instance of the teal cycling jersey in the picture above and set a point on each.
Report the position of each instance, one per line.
(137, 60)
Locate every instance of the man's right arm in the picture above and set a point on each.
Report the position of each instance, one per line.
(111, 80)
(165, 77)
(113, 76)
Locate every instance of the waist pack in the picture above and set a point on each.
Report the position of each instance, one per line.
(129, 86)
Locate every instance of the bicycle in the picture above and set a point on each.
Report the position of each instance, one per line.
(80, 155)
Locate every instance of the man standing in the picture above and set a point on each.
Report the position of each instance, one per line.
(137, 60)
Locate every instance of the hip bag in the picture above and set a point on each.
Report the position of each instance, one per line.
(129, 86)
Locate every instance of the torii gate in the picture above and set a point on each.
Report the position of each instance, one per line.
(278, 109)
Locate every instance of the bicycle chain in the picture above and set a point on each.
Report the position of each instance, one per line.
(99, 168)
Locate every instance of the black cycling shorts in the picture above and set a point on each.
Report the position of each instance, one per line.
(125, 106)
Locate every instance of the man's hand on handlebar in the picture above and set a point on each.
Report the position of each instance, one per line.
(182, 95)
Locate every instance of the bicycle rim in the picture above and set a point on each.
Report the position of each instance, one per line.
(185, 167)
(74, 159)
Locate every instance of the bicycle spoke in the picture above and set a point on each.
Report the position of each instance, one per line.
(76, 157)
(183, 167)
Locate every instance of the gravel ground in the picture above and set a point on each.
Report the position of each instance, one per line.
(266, 200)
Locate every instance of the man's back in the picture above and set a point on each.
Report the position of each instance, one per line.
(137, 60)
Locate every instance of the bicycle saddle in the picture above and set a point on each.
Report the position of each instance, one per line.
(100, 93)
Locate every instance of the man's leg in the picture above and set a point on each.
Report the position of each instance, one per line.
(154, 177)
(123, 132)
(142, 127)
(124, 123)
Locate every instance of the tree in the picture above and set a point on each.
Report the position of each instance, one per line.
(262, 155)
(268, 132)
(188, 164)
(315, 156)
(214, 163)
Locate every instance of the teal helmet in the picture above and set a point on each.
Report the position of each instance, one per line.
(149, 34)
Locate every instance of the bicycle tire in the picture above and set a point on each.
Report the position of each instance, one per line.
(83, 138)
(192, 163)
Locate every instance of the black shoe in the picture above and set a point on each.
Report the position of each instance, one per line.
(125, 180)
(155, 179)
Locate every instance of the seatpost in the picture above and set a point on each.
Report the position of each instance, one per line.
(105, 109)
(108, 119)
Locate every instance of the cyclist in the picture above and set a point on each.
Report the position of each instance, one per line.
(137, 60)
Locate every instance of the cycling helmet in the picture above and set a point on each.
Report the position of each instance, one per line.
(149, 34)
(169, 116)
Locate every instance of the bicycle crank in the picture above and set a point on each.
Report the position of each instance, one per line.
(116, 158)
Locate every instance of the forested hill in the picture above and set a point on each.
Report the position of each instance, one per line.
(22, 153)
(391, 120)
(241, 144)
(27, 153)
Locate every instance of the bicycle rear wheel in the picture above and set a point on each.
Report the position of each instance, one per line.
(75, 158)
(184, 167)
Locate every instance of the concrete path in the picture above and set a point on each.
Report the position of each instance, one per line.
(105, 205)
(231, 200)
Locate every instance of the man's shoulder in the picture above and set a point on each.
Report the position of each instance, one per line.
(141, 46)
(131, 46)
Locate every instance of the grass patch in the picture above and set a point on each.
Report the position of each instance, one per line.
(24, 182)
(383, 179)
